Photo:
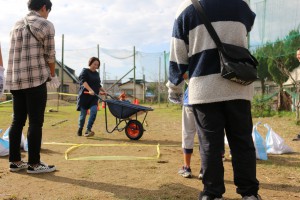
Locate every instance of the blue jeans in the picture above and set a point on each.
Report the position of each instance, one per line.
(235, 118)
(31, 102)
(92, 118)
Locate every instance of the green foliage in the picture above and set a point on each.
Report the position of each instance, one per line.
(261, 56)
(278, 57)
(285, 114)
(262, 108)
(292, 43)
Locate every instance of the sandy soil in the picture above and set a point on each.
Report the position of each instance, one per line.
(142, 175)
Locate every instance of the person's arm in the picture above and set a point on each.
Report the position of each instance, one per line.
(179, 52)
(49, 48)
(86, 86)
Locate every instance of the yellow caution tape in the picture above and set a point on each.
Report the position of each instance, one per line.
(4, 102)
(75, 146)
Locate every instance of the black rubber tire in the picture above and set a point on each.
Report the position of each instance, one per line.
(134, 130)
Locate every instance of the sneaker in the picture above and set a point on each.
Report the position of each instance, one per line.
(252, 197)
(89, 133)
(185, 172)
(14, 167)
(200, 177)
(40, 168)
(223, 158)
(297, 138)
(79, 132)
(206, 197)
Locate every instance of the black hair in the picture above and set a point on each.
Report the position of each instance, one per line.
(93, 59)
(36, 5)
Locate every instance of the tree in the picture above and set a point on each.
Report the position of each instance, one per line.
(279, 57)
(291, 45)
(276, 67)
(261, 55)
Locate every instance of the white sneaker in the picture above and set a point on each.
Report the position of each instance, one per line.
(200, 177)
(89, 133)
(40, 168)
(185, 172)
(252, 197)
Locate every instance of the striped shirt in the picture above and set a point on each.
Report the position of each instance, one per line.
(28, 58)
(193, 50)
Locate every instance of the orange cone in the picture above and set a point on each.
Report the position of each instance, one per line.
(103, 104)
(136, 102)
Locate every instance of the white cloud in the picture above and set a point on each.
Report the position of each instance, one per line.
(122, 24)
(113, 24)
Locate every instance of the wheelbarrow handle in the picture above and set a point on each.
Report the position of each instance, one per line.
(102, 93)
(86, 92)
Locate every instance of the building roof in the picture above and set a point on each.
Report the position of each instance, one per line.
(69, 71)
(137, 81)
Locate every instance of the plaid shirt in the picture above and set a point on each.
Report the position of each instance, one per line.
(28, 58)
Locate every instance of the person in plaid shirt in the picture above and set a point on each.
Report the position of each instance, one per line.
(31, 64)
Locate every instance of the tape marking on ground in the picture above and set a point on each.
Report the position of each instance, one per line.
(75, 146)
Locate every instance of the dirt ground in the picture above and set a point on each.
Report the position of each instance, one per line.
(110, 166)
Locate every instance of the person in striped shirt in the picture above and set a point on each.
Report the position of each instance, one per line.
(218, 103)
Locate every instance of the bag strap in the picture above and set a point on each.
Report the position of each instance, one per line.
(28, 27)
(207, 24)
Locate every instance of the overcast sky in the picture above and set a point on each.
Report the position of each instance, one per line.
(113, 24)
(116, 26)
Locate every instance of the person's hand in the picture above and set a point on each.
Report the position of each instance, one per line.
(175, 92)
(175, 98)
(102, 93)
(91, 92)
(53, 83)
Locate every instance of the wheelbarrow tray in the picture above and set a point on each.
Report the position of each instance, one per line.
(123, 110)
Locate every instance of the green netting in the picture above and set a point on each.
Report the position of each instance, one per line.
(293, 94)
(266, 98)
(117, 62)
(274, 20)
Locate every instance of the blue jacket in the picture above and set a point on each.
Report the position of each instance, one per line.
(186, 97)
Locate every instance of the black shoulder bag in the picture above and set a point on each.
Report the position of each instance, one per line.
(237, 63)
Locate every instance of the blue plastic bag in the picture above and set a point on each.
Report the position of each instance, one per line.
(259, 143)
(4, 146)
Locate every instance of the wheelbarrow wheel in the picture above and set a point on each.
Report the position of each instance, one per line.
(134, 130)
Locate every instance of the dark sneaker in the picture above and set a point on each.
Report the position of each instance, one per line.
(40, 168)
(205, 197)
(252, 197)
(14, 167)
(89, 133)
(79, 132)
(185, 172)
